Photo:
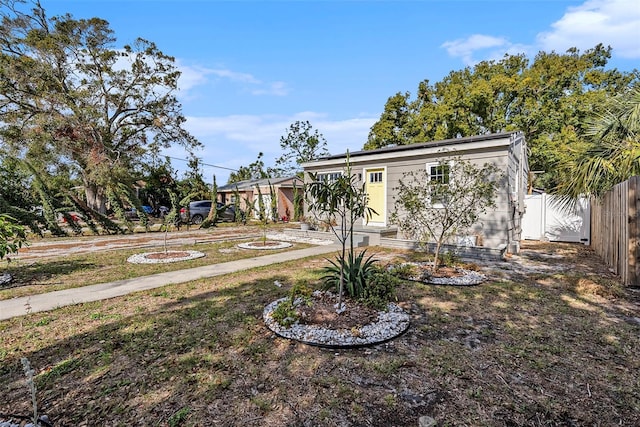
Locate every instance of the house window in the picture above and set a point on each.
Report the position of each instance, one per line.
(328, 177)
(439, 173)
(440, 176)
(375, 177)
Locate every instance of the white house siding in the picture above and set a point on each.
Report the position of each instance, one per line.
(497, 227)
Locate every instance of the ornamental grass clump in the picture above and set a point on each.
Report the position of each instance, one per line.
(364, 281)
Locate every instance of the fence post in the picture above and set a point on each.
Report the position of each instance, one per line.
(633, 275)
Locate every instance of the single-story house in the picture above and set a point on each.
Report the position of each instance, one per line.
(380, 171)
(284, 188)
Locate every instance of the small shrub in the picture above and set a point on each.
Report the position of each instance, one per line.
(286, 312)
(403, 271)
(449, 259)
(380, 289)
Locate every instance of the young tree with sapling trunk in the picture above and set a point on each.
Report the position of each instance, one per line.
(341, 202)
(440, 203)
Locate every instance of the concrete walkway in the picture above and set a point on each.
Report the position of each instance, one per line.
(44, 302)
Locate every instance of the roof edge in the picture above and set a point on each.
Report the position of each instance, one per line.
(439, 143)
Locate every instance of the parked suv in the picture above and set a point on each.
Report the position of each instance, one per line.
(200, 210)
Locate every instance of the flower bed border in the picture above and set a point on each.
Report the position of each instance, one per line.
(279, 245)
(142, 258)
(395, 319)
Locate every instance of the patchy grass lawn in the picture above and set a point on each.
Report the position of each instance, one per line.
(33, 277)
(550, 349)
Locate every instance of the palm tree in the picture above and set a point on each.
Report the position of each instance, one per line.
(612, 154)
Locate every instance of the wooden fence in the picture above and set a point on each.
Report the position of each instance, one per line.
(615, 229)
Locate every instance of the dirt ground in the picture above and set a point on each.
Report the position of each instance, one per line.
(52, 247)
(551, 339)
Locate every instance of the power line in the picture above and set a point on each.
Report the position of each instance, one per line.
(202, 163)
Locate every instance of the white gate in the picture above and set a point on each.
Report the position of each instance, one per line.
(545, 220)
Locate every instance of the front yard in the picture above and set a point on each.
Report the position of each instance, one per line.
(557, 347)
(90, 266)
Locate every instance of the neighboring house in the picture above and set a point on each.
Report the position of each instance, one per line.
(248, 191)
(380, 170)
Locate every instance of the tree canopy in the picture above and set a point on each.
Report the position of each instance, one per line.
(70, 102)
(301, 144)
(255, 170)
(549, 99)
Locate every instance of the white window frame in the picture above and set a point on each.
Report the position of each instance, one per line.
(331, 176)
(430, 165)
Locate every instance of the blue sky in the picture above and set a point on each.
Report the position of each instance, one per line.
(251, 68)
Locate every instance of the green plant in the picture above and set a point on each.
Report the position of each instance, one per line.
(298, 207)
(354, 271)
(249, 209)
(449, 259)
(403, 271)
(380, 289)
(273, 201)
(445, 200)
(262, 215)
(343, 201)
(12, 236)
(286, 312)
(214, 213)
(179, 417)
(172, 217)
(239, 217)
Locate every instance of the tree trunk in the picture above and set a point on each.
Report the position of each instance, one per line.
(96, 198)
(436, 256)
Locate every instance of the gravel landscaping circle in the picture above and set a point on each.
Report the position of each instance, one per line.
(462, 278)
(266, 246)
(164, 257)
(390, 324)
(5, 279)
(289, 238)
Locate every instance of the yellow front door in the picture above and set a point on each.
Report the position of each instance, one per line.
(375, 186)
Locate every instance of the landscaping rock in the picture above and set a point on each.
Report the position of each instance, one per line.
(426, 421)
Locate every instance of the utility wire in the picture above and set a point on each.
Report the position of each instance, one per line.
(202, 163)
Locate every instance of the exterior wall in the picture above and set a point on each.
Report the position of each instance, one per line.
(249, 195)
(226, 196)
(285, 203)
(500, 227)
(518, 176)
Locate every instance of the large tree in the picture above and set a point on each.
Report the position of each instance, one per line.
(301, 144)
(67, 91)
(548, 98)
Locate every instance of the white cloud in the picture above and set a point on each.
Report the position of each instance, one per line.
(193, 76)
(485, 46)
(611, 22)
(235, 76)
(235, 140)
(275, 88)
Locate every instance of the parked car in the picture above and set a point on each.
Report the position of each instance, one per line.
(199, 210)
